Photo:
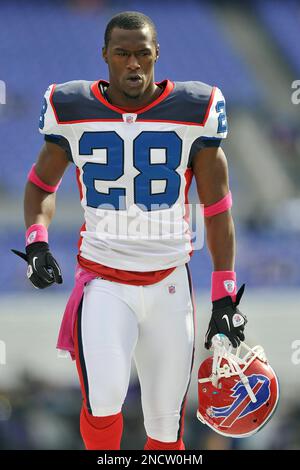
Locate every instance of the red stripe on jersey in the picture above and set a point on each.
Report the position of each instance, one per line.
(96, 91)
(188, 180)
(82, 229)
(209, 105)
(79, 183)
(186, 123)
(90, 120)
(168, 89)
(188, 174)
(52, 104)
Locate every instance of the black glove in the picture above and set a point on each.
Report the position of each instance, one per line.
(227, 319)
(43, 269)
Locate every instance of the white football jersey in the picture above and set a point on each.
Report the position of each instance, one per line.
(134, 168)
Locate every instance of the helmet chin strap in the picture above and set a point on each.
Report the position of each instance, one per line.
(222, 349)
(245, 382)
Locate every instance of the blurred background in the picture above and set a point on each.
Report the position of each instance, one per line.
(251, 51)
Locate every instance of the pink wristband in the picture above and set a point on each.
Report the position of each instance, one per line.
(33, 177)
(221, 206)
(36, 233)
(223, 283)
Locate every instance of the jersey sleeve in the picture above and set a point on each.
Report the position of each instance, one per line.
(215, 126)
(48, 125)
(47, 121)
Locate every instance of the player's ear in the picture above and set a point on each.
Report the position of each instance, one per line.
(104, 54)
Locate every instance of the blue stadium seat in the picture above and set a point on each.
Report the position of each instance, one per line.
(282, 20)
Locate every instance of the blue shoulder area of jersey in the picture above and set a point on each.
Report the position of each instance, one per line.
(193, 92)
(186, 103)
(75, 101)
(66, 92)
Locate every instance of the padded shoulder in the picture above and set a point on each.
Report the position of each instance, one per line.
(188, 102)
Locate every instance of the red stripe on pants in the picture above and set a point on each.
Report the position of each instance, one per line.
(97, 432)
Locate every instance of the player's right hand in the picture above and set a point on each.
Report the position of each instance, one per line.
(43, 270)
(227, 319)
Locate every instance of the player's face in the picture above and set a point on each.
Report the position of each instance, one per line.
(131, 55)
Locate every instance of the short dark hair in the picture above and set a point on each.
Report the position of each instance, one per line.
(129, 20)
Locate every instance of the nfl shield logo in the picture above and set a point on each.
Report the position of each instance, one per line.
(172, 289)
(129, 118)
(32, 237)
(229, 286)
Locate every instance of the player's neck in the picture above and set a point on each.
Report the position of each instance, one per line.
(117, 98)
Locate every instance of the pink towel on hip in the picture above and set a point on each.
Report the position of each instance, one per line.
(65, 338)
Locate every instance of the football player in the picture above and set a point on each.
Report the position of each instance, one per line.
(136, 144)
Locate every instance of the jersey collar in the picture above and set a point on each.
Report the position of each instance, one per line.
(168, 87)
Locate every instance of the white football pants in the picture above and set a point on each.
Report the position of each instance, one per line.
(154, 325)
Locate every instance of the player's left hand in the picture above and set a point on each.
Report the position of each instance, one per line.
(227, 319)
(43, 270)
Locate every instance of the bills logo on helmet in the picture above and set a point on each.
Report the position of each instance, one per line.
(242, 405)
